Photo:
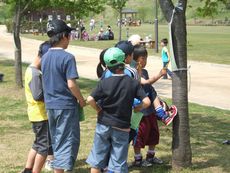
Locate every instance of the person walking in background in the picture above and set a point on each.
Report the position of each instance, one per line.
(165, 57)
(37, 114)
(62, 96)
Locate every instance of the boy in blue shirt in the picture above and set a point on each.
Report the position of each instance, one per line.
(113, 125)
(62, 96)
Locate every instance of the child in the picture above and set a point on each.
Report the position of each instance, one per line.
(101, 67)
(37, 114)
(165, 57)
(112, 131)
(148, 132)
(166, 116)
(62, 96)
(127, 48)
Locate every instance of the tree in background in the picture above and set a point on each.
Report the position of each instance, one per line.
(210, 8)
(181, 148)
(143, 13)
(19, 8)
(118, 5)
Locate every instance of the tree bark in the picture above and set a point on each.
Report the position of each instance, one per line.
(120, 13)
(17, 42)
(181, 148)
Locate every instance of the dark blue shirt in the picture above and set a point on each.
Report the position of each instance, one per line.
(150, 92)
(117, 93)
(57, 67)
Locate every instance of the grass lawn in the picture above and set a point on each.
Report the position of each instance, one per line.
(208, 126)
(205, 43)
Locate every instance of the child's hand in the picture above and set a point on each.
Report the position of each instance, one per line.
(82, 103)
(139, 67)
(99, 111)
(137, 108)
(163, 71)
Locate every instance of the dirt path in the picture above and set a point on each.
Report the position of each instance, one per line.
(210, 83)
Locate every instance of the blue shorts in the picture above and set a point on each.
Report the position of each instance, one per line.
(110, 148)
(65, 137)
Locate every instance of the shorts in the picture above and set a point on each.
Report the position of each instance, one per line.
(65, 137)
(42, 141)
(148, 132)
(110, 148)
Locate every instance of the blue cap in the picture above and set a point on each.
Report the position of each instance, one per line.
(126, 47)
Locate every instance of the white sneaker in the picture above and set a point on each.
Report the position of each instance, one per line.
(48, 165)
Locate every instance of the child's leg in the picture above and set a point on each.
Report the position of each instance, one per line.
(30, 160)
(150, 156)
(165, 116)
(58, 170)
(137, 156)
(160, 112)
(165, 64)
(39, 162)
(169, 73)
(95, 170)
(150, 152)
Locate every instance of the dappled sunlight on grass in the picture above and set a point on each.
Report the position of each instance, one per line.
(208, 128)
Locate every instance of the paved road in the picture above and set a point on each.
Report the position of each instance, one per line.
(209, 85)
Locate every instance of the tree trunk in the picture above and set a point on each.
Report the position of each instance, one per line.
(120, 24)
(181, 148)
(17, 42)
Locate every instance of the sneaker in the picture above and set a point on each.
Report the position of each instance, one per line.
(136, 163)
(143, 163)
(27, 171)
(104, 170)
(155, 160)
(172, 113)
(146, 163)
(48, 165)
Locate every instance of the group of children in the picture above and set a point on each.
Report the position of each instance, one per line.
(146, 131)
(124, 95)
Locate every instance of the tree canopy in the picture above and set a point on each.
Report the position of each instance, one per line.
(210, 7)
(77, 8)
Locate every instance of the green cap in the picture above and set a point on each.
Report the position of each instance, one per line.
(114, 56)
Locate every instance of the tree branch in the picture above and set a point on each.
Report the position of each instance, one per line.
(167, 8)
(25, 7)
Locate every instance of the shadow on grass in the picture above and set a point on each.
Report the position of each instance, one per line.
(208, 130)
(9, 63)
(81, 166)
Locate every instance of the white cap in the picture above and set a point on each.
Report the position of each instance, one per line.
(135, 39)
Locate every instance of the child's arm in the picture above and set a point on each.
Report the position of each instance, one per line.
(36, 88)
(75, 90)
(92, 102)
(145, 103)
(154, 78)
(167, 52)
